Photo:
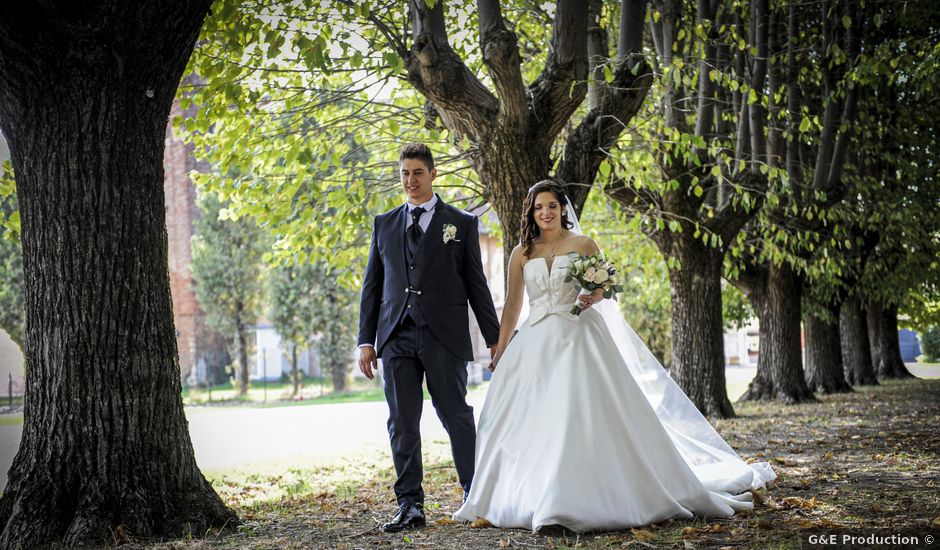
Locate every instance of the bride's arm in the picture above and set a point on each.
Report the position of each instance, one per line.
(588, 247)
(515, 291)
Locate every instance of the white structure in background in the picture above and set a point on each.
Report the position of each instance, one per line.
(271, 361)
(742, 345)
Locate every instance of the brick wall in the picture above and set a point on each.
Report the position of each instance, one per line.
(193, 338)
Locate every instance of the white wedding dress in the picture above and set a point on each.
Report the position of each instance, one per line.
(582, 427)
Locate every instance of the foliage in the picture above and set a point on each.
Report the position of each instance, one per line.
(302, 109)
(335, 319)
(882, 240)
(308, 103)
(930, 344)
(12, 306)
(308, 302)
(291, 289)
(227, 270)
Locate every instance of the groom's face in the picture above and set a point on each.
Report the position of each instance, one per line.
(416, 180)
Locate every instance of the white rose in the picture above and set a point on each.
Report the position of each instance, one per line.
(589, 274)
(600, 276)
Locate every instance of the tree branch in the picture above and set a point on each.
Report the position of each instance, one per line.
(434, 69)
(500, 49)
(561, 87)
(587, 145)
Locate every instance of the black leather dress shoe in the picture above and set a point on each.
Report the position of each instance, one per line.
(409, 516)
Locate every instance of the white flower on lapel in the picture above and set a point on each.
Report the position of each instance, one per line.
(450, 233)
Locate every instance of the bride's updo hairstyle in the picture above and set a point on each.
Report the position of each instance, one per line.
(530, 229)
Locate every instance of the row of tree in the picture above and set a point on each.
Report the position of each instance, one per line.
(303, 300)
(782, 146)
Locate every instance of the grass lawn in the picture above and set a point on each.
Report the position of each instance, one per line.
(278, 394)
(864, 460)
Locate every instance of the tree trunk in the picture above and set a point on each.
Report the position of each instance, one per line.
(338, 371)
(779, 365)
(295, 372)
(105, 453)
(698, 355)
(510, 163)
(885, 347)
(825, 372)
(242, 361)
(856, 351)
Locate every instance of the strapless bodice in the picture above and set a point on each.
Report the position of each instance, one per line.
(547, 290)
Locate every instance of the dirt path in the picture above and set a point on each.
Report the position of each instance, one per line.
(869, 459)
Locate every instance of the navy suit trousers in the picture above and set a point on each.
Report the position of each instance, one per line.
(413, 354)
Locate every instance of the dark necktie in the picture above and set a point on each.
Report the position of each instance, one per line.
(415, 231)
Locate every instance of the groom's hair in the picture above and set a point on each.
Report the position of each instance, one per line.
(418, 151)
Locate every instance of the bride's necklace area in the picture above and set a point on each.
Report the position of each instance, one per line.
(554, 244)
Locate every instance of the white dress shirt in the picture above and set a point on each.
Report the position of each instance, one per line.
(426, 217)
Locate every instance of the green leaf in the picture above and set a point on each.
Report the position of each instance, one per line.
(846, 21)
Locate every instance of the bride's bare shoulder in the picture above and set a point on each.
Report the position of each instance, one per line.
(577, 239)
(584, 244)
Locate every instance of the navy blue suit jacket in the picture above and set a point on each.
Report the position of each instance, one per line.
(448, 275)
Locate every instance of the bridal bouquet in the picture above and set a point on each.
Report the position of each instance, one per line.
(591, 273)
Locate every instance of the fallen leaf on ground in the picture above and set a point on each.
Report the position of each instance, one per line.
(444, 521)
(642, 535)
(480, 522)
(797, 502)
(504, 543)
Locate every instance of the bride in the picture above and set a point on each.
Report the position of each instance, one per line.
(582, 427)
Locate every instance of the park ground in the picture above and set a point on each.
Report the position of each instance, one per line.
(865, 460)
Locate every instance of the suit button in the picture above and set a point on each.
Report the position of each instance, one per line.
(409, 306)
(412, 267)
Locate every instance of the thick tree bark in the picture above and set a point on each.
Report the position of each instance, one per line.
(856, 350)
(885, 346)
(825, 372)
(776, 297)
(85, 95)
(698, 354)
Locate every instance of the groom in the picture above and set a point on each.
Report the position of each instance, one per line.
(424, 267)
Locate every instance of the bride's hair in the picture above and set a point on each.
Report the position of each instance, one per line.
(530, 229)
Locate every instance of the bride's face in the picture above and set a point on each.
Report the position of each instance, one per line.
(547, 211)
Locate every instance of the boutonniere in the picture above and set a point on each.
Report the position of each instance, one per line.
(450, 233)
